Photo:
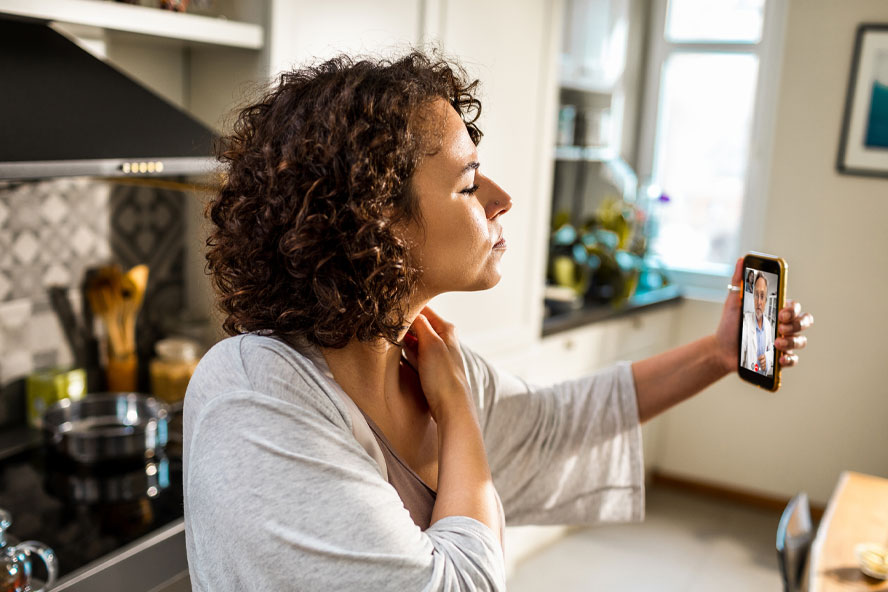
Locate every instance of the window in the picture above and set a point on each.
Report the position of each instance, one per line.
(705, 142)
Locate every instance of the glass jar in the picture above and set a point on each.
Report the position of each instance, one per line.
(47, 386)
(177, 357)
(15, 562)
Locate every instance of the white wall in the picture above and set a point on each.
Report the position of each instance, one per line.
(832, 412)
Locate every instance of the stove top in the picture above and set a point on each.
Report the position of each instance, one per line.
(86, 512)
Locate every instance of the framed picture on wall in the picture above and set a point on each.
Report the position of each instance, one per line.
(863, 147)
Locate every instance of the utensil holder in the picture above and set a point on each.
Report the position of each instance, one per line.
(122, 373)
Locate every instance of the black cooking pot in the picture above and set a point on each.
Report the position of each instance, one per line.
(106, 427)
(108, 484)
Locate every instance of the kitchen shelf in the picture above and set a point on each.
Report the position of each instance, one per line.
(141, 20)
(584, 153)
(596, 87)
(617, 170)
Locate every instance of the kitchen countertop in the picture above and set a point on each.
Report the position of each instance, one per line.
(857, 513)
(669, 295)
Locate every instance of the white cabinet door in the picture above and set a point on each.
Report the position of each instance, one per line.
(511, 46)
(302, 31)
(645, 334)
(584, 350)
(595, 43)
(573, 354)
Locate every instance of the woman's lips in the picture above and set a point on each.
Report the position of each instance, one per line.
(501, 244)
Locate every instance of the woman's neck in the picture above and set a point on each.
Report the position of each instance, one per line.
(373, 375)
(365, 371)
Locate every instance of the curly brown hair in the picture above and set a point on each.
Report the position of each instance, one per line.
(307, 240)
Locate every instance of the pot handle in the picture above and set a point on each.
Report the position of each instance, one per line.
(174, 406)
(49, 559)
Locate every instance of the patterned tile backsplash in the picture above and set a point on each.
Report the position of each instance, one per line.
(50, 233)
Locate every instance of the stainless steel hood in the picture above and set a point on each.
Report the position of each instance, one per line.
(65, 112)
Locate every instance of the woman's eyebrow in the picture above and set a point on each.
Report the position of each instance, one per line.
(472, 166)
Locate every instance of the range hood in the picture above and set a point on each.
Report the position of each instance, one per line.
(65, 112)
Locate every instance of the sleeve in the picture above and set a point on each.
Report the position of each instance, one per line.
(743, 361)
(569, 453)
(281, 497)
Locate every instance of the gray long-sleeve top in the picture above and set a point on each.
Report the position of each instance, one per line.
(280, 495)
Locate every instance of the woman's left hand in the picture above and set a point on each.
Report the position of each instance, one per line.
(791, 321)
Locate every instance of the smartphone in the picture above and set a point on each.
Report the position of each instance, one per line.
(764, 289)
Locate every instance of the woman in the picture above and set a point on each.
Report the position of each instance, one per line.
(343, 438)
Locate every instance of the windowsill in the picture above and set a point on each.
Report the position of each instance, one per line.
(645, 301)
(704, 285)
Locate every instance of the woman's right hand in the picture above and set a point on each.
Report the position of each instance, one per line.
(431, 346)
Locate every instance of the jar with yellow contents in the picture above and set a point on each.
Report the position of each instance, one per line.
(171, 370)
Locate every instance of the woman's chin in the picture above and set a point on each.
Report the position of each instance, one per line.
(490, 280)
(484, 279)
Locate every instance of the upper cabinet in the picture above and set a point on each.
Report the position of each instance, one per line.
(302, 31)
(599, 75)
(594, 44)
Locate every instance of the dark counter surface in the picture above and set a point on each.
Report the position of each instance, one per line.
(86, 513)
(667, 296)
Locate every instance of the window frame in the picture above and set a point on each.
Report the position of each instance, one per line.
(711, 284)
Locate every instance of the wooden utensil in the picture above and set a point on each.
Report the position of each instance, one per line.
(116, 298)
(133, 285)
(105, 300)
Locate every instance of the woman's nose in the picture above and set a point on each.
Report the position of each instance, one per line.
(498, 202)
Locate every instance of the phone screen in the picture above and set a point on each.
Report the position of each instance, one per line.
(759, 320)
(764, 279)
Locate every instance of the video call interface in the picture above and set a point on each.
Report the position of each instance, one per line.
(759, 321)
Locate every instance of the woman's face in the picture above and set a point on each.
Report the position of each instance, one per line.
(461, 248)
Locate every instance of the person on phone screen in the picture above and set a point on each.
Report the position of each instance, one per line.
(750, 278)
(758, 337)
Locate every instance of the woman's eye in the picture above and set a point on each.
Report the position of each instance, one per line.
(470, 190)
